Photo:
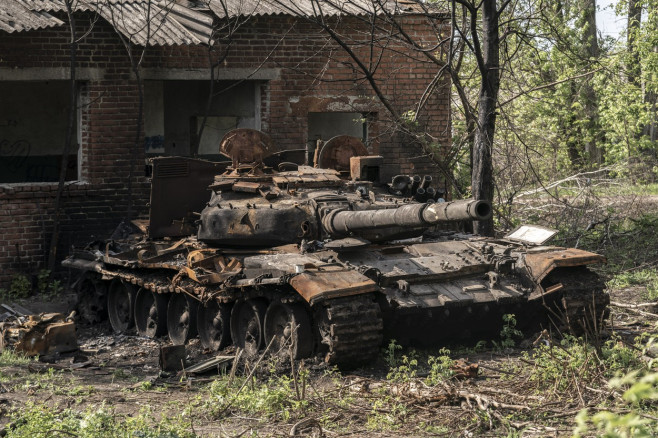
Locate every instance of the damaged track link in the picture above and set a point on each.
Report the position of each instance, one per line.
(348, 330)
(351, 328)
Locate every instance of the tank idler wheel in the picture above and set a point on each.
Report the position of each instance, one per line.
(247, 326)
(92, 299)
(120, 304)
(213, 323)
(181, 318)
(288, 327)
(151, 313)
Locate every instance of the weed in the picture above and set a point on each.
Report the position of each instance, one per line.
(20, 287)
(406, 371)
(574, 360)
(41, 420)
(12, 358)
(119, 373)
(275, 398)
(642, 390)
(390, 353)
(75, 391)
(387, 414)
(43, 278)
(508, 333)
(440, 367)
(46, 286)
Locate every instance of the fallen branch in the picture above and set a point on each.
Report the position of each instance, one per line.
(632, 309)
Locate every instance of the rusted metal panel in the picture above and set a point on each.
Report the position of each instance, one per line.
(246, 146)
(39, 334)
(318, 285)
(336, 152)
(540, 264)
(179, 188)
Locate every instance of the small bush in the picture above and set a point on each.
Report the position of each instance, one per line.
(275, 398)
(642, 390)
(573, 360)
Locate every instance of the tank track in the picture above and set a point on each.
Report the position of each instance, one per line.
(351, 329)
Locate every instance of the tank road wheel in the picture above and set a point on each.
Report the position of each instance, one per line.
(181, 318)
(213, 323)
(290, 327)
(120, 303)
(247, 325)
(92, 299)
(151, 313)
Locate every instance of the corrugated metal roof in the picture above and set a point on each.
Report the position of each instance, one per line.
(174, 22)
(152, 22)
(15, 17)
(309, 8)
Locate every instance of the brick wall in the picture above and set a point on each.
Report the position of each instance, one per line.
(314, 75)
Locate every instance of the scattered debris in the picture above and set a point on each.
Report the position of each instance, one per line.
(13, 310)
(42, 334)
(172, 357)
(464, 370)
(216, 363)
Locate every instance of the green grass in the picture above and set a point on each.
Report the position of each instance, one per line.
(11, 358)
(573, 361)
(39, 420)
(647, 278)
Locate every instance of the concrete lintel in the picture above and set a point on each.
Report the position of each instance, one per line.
(50, 74)
(230, 74)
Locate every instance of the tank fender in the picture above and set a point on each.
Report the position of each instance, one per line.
(319, 284)
(540, 264)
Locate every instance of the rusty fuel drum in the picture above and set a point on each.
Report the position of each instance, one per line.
(263, 250)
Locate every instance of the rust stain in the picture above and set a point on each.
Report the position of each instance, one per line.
(541, 264)
(318, 285)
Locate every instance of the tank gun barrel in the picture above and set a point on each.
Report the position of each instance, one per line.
(340, 222)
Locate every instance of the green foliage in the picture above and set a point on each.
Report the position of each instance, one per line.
(39, 420)
(47, 286)
(406, 371)
(387, 414)
(11, 358)
(20, 287)
(390, 353)
(440, 367)
(275, 398)
(574, 360)
(647, 278)
(641, 390)
(435, 368)
(508, 333)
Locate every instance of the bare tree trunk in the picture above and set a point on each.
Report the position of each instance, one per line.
(482, 177)
(650, 97)
(591, 51)
(70, 128)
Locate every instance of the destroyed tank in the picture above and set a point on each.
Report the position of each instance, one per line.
(264, 253)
